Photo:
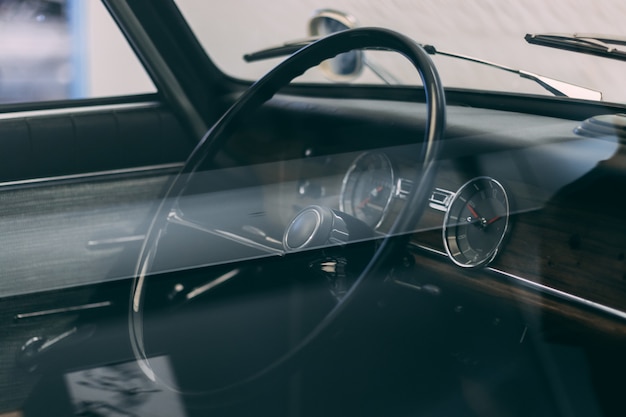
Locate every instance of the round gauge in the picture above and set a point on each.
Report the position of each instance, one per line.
(476, 222)
(367, 188)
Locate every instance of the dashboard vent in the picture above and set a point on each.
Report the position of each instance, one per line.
(604, 125)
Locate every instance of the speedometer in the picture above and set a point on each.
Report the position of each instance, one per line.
(367, 188)
(476, 222)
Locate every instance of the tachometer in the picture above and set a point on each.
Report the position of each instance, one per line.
(367, 188)
(476, 222)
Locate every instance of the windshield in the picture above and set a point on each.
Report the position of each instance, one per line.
(491, 30)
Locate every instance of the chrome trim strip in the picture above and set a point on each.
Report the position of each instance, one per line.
(122, 171)
(565, 296)
(560, 294)
(57, 339)
(429, 249)
(62, 310)
(211, 284)
(407, 285)
(78, 110)
(93, 244)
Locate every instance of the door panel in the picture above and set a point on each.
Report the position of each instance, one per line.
(53, 143)
(78, 187)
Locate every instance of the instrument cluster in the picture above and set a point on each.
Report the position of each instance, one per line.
(476, 215)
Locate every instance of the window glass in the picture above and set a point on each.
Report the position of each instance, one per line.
(491, 30)
(64, 49)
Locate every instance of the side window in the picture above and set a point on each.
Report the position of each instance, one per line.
(64, 49)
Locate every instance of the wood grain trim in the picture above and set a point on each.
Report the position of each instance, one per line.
(12, 414)
(538, 306)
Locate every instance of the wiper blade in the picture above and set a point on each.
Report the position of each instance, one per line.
(586, 43)
(285, 49)
(556, 87)
(289, 48)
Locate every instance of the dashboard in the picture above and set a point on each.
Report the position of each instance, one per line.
(520, 194)
(522, 210)
(522, 207)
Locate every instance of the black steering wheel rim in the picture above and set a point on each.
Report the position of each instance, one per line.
(260, 92)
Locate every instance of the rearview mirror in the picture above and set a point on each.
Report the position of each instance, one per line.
(344, 67)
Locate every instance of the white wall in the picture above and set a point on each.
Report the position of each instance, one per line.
(490, 29)
(110, 64)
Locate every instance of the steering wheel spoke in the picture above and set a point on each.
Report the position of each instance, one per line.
(176, 217)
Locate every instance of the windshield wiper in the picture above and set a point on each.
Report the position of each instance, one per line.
(291, 47)
(556, 87)
(287, 48)
(586, 43)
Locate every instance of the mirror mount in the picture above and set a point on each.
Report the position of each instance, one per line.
(344, 67)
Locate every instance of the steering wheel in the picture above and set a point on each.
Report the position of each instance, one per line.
(261, 91)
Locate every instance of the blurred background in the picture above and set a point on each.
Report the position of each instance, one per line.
(64, 49)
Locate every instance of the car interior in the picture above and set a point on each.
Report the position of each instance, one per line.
(229, 248)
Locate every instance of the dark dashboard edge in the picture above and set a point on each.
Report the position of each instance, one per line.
(561, 107)
(160, 169)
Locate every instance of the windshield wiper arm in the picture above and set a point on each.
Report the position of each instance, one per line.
(586, 43)
(556, 87)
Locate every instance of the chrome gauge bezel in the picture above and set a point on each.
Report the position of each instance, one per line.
(346, 199)
(458, 245)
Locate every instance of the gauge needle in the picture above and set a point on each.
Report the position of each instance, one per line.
(495, 219)
(372, 193)
(473, 211)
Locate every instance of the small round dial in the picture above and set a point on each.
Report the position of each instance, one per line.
(476, 222)
(367, 188)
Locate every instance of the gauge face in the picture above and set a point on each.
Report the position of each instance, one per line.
(367, 188)
(476, 222)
